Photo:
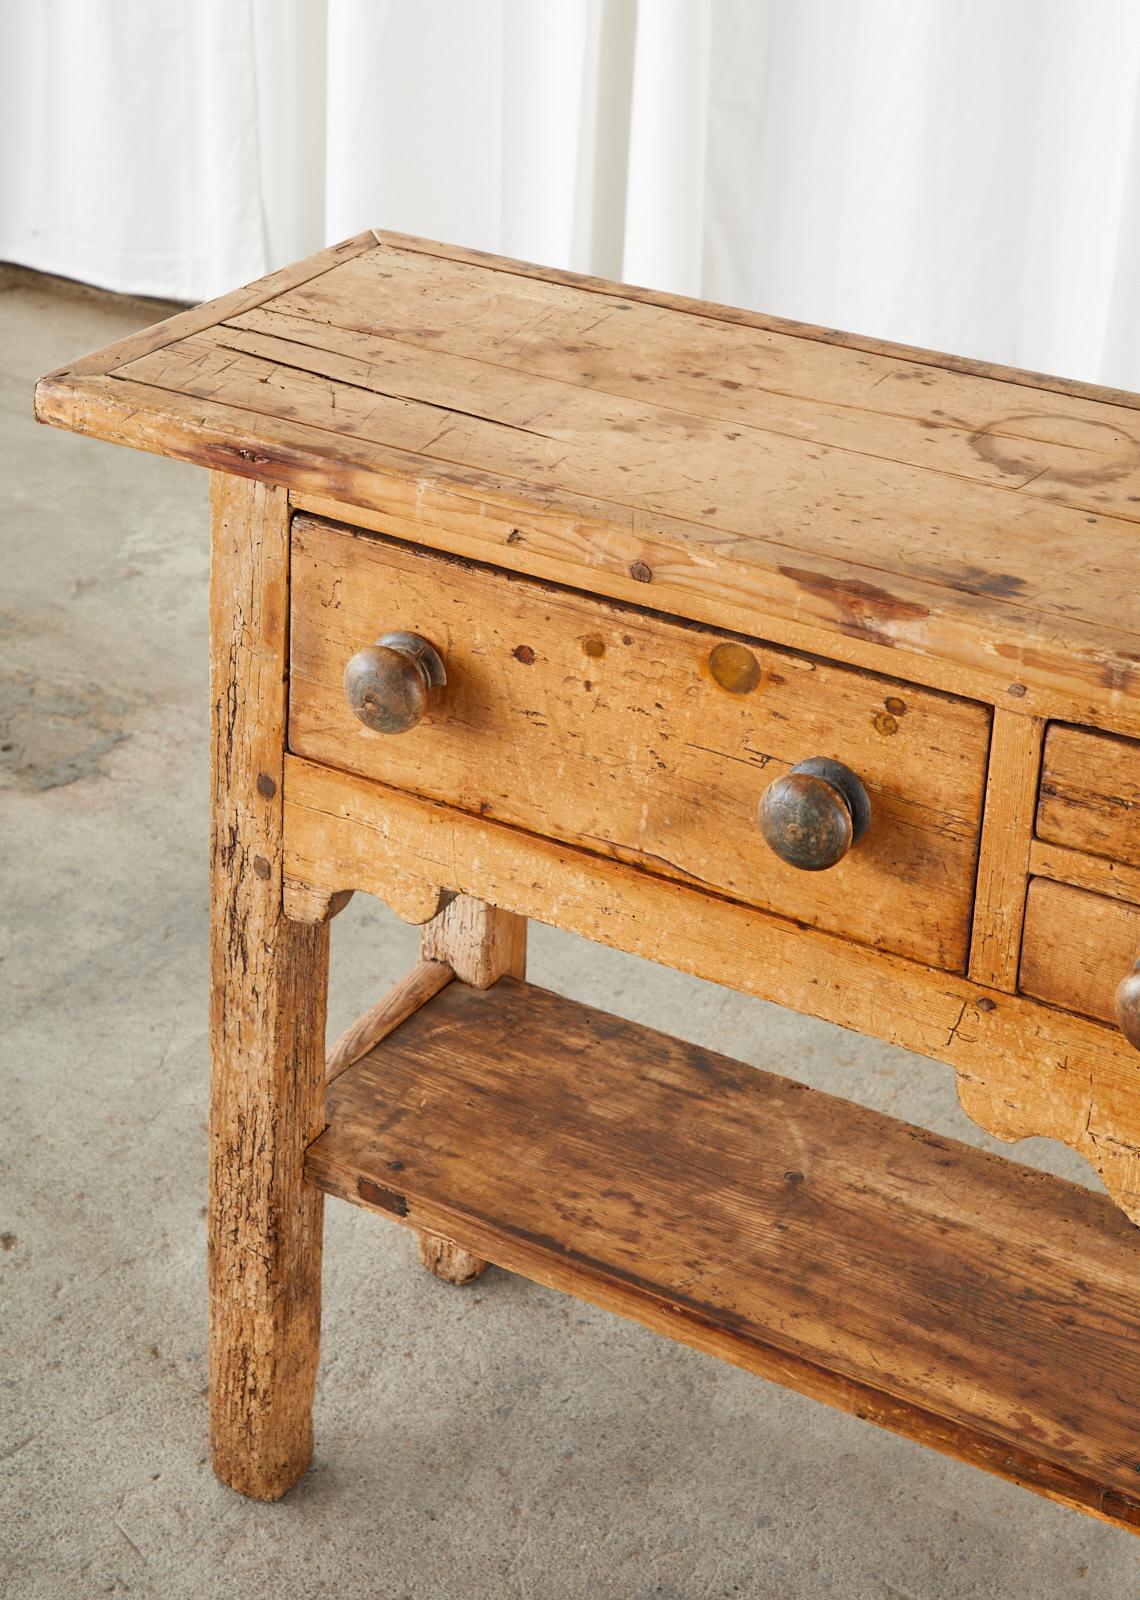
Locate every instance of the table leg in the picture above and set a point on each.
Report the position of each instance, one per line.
(481, 944)
(267, 1019)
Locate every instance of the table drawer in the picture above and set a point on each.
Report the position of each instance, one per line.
(1077, 946)
(644, 738)
(1090, 793)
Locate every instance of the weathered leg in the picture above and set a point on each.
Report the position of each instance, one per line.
(448, 1260)
(481, 944)
(267, 1019)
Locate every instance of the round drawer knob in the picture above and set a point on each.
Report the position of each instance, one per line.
(389, 684)
(1128, 1006)
(814, 814)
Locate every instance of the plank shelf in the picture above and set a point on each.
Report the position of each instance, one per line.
(953, 1296)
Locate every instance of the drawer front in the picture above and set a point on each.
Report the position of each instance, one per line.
(1076, 947)
(1090, 793)
(644, 738)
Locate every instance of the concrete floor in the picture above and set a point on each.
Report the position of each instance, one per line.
(471, 1444)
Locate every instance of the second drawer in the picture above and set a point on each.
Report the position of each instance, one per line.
(644, 738)
(1090, 793)
(1076, 947)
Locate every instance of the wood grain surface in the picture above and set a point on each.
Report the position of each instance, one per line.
(678, 549)
(1007, 835)
(1090, 793)
(1078, 947)
(723, 456)
(480, 943)
(1083, 871)
(412, 991)
(1023, 1068)
(267, 1021)
(644, 738)
(955, 1297)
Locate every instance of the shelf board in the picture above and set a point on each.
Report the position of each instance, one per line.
(953, 1296)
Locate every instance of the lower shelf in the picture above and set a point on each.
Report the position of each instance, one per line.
(953, 1296)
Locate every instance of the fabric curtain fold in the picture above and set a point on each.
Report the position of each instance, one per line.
(963, 174)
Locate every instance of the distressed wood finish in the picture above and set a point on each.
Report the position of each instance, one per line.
(1007, 834)
(737, 316)
(645, 738)
(211, 312)
(668, 553)
(267, 1018)
(306, 904)
(714, 455)
(1078, 948)
(1090, 793)
(1084, 872)
(863, 1261)
(1022, 1069)
(481, 944)
(420, 985)
(447, 1260)
(428, 512)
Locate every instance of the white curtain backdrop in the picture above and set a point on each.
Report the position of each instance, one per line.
(957, 173)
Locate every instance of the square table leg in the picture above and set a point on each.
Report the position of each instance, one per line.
(267, 1021)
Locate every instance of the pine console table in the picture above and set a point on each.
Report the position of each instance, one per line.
(797, 661)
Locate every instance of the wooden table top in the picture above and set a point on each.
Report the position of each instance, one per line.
(764, 475)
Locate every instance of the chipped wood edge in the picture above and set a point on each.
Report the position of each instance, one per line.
(305, 904)
(1024, 1068)
(422, 984)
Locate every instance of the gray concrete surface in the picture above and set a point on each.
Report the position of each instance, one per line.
(475, 1444)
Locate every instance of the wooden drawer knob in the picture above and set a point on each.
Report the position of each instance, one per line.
(1128, 1006)
(814, 814)
(389, 684)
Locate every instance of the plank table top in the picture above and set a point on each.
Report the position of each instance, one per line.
(717, 463)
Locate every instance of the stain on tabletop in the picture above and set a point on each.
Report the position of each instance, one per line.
(860, 608)
(1075, 451)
